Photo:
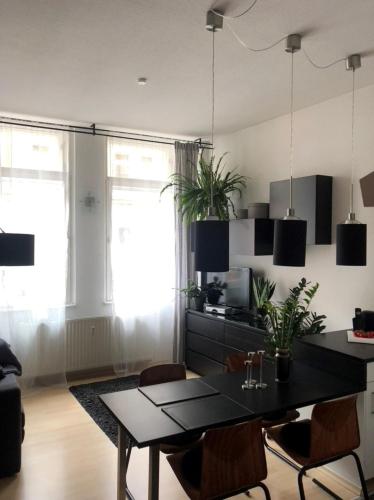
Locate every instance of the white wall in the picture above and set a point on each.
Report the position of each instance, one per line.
(322, 146)
(90, 174)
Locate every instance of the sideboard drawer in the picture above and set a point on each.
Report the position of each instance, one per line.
(207, 327)
(205, 346)
(203, 365)
(243, 340)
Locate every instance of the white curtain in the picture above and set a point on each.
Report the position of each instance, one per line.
(34, 199)
(142, 249)
(186, 158)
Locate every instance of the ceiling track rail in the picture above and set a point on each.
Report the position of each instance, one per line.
(95, 131)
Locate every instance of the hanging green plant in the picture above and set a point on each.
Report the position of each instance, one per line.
(195, 196)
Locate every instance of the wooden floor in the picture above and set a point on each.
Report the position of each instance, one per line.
(66, 456)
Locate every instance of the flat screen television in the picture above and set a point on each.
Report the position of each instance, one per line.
(239, 286)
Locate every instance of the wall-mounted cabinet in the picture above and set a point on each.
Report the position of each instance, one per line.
(312, 201)
(251, 236)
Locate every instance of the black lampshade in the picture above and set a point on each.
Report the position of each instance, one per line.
(192, 233)
(289, 242)
(351, 244)
(16, 249)
(212, 246)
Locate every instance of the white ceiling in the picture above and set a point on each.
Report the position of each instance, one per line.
(80, 59)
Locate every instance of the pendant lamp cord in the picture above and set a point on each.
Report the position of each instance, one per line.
(352, 140)
(213, 112)
(291, 128)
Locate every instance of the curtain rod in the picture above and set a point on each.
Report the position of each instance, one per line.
(93, 130)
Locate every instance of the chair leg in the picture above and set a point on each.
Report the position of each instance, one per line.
(300, 483)
(361, 474)
(128, 454)
(278, 454)
(265, 490)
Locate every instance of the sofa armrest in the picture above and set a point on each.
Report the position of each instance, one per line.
(10, 426)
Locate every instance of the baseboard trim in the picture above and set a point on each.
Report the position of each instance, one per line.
(103, 371)
(324, 473)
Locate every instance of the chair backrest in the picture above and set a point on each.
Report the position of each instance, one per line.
(162, 373)
(233, 459)
(235, 362)
(334, 428)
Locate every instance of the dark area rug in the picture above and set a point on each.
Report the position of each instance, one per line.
(87, 395)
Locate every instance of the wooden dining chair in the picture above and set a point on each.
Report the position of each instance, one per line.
(159, 374)
(331, 433)
(227, 461)
(235, 363)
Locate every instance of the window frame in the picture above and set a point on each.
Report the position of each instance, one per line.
(67, 176)
(111, 182)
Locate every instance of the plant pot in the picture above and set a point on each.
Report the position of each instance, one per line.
(259, 321)
(197, 303)
(213, 296)
(282, 365)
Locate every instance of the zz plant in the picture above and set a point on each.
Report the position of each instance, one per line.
(292, 318)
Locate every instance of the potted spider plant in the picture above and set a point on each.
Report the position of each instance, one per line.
(196, 295)
(211, 187)
(288, 320)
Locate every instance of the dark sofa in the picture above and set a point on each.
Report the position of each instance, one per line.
(12, 418)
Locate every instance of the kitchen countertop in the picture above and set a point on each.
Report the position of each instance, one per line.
(337, 341)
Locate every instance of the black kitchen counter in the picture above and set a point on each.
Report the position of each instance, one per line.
(337, 342)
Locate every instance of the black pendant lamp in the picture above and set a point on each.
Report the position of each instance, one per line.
(212, 235)
(290, 232)
(351, 234)
(16, 249)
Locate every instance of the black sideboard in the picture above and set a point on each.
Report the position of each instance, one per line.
(211, 338)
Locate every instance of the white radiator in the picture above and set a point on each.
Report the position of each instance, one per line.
(88, 343)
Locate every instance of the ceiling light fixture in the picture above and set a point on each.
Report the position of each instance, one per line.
(351, 234)
(290, 232)
(142, 81)
(212, 234)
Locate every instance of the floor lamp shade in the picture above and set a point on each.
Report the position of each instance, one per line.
(289, 242)
(351, 244)
(212, 246)
(16, 249)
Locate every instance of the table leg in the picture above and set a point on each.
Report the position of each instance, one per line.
(121, 464)
(154, 471)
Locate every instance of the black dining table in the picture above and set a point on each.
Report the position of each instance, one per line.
(147, 418)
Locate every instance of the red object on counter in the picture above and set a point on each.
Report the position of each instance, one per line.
(364, 335)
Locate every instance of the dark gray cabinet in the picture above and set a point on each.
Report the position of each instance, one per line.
(312, 200)
(210, 339)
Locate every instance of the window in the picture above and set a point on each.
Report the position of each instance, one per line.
(141, 232)
(34, 192)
